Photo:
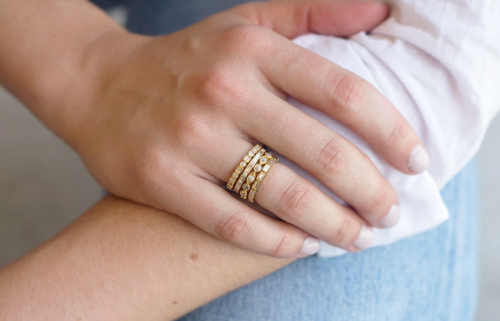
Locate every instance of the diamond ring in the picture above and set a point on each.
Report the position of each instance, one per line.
(248, 175)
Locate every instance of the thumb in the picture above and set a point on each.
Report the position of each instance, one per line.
(292, 18)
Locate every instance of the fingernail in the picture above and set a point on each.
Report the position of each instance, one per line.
(310, 246)
(419, 160)
(365, 238)
(392, 217)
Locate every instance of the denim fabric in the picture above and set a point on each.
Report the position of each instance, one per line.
(432, 276)
(107, 4)
(155, 17)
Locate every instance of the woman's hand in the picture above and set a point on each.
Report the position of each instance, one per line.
(170, 117)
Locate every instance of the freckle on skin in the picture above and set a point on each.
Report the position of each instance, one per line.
(174, 302)
(194, 256)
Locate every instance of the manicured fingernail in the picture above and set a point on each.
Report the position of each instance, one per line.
(419, 160)
(392, 217)
(365, 238)
(310, 246)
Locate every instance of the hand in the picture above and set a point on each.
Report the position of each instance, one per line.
(171, 116)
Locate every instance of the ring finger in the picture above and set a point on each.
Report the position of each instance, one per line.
(300, 203)
(326, 155)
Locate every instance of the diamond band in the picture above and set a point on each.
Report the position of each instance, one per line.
(261, 173)
(241, 166)
(248, 175)
(248, 169)
(260, 170)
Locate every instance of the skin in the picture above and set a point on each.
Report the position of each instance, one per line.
(128, 262)
(164, 120)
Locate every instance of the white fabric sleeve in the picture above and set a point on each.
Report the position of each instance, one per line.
(438, 62)
(446, 54)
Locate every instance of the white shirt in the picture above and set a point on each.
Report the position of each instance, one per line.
(438, 62)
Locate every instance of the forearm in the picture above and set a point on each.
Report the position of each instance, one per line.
(124, 261)
(40, 45)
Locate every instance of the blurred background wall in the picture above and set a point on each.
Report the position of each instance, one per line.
(44, 186)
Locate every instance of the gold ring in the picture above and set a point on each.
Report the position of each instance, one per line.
(247, 171)
(241, 166)
(261, 170)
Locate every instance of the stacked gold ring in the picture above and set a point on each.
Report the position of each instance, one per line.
(241, 166)
(260, 171)
(248, 175)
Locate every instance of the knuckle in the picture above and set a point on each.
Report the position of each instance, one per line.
(331, 158)
(396, 132)
(296, 200)
(217, 86)
(234, 229)
(243, 39)
(343, 235)
(378, 199)
(349, 91)
(191, 130)
(282, 243)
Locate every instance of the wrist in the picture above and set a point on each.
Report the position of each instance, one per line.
(67, 98)
(101, 69)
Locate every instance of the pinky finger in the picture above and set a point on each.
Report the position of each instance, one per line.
(221, 215)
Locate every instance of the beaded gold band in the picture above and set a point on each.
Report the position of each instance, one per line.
(241, 166)
(261, 171)
(253, 175)
(248, 169)
(248, 175)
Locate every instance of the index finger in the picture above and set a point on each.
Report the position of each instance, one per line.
(346, 97)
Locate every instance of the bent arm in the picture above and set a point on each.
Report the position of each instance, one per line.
(124, 261)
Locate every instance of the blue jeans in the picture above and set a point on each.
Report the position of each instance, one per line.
(432, 276)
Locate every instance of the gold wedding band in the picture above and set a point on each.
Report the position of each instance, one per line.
(241, 166)
(261, 170)
(248, 175)
(247, 171)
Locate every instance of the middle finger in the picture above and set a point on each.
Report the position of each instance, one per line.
(328, 156)
(298, 202)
